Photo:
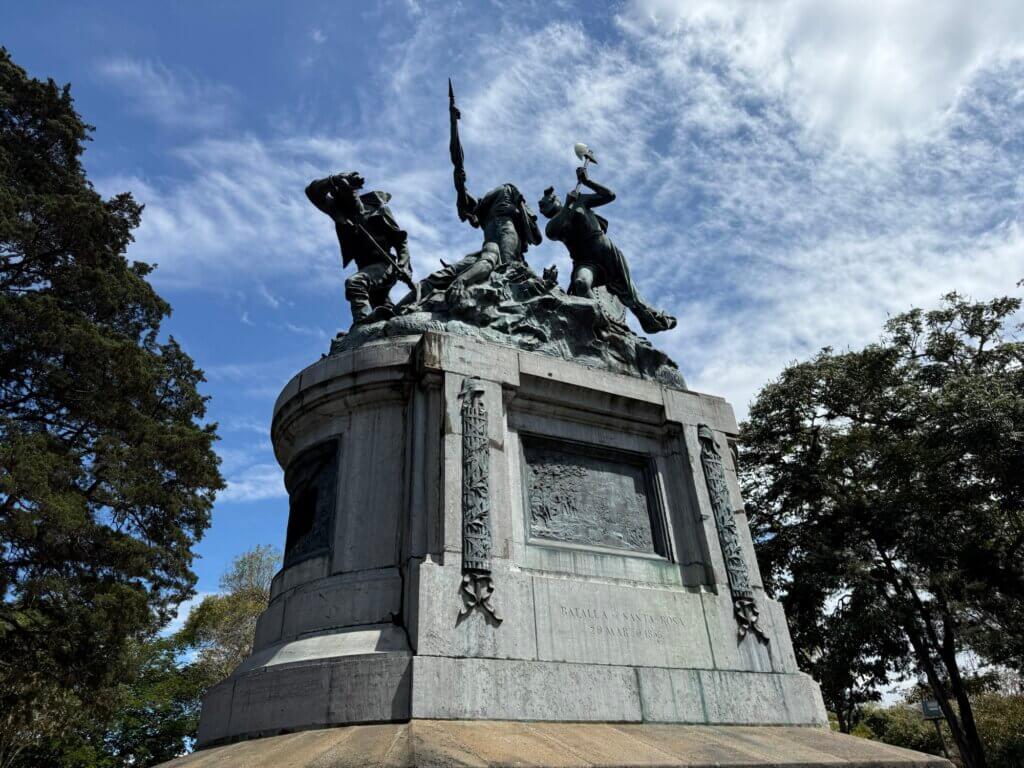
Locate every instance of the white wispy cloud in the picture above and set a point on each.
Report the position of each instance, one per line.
(254, 483)
(869, 73)
(306, 330)
(272, 301)
(246, 424)
(248, 464)
(174, 99)
(789, 172)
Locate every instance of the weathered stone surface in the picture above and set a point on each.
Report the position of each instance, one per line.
(370, 692)
(515, 309)
(580, 621)
(737, 698)
(459, 744)
(312, 483)
(584, 378)
(268, 626)
(370, 495)
(306, 694)
(728, 698)
(783, 656)
(442, 631)
(382, 638)
(492, 689)
(364, 597)
(728, 649)
(462, 356)
(671, 695)
(591, 564)
(215, 722)
(281, 699)
(300, 573)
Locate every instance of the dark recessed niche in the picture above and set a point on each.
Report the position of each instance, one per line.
(311, 480)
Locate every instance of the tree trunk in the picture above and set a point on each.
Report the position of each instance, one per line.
(844, 724)
(947, 652)
(913, 615)
(971, 755)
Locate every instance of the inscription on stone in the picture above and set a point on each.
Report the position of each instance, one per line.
(624, 624)
(596, 623)
(588, 497)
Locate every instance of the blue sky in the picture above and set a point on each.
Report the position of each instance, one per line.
(789, 172)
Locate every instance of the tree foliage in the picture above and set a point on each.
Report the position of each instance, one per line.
(999, 715)
(892, 476)
(1001, 723)
(902, 726)
(850, 650)
(151, 715)
(144, 720)
(107, 475)
(221, 628)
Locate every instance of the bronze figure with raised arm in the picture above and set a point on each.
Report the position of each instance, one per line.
(596, 260)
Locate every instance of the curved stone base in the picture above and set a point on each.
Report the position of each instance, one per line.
(430, 743)
(356, 676)
(313, 683)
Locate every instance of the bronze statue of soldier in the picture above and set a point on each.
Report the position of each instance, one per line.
(367, 235)
(509, 227)
(596, 260)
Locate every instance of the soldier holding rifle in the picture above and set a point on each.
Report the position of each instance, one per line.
(367, 234)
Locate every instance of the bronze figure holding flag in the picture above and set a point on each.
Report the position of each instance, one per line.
(508, 224)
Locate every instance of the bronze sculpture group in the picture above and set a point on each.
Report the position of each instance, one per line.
(369, 235)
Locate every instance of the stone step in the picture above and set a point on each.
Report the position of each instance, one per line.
(452, 743)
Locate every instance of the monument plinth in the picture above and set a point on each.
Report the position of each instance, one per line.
(480, 534)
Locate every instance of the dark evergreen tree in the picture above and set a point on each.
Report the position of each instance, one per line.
(107, 473)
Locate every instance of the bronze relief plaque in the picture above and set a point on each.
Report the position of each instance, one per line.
(590, 496)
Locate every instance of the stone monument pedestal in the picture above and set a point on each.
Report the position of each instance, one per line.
(480, 534)
(478, 743)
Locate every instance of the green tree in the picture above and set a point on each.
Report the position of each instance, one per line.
(895, 471)
(901, 725)
(145, 720)
(151, 715)
(999, 716)
(850, 649)
(1001, 723)
(222, 627)
(107, 474)
(156, 716)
